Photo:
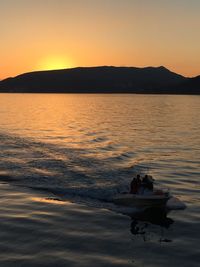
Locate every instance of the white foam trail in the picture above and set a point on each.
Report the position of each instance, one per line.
(175, 204)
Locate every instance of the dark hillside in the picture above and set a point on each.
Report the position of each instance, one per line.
(101, 80)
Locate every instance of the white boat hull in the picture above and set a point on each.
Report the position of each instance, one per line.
(134, 200)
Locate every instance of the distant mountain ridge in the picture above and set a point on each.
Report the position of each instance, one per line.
(103, 79)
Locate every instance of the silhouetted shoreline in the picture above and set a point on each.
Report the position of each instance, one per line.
(105, 79)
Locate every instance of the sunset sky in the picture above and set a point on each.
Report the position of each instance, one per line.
(54, 34)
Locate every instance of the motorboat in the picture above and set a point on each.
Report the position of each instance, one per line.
(143, 194)
(157, 198)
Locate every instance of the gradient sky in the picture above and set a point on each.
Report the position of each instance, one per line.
(51, 34)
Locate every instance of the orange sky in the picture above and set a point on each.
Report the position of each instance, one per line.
(53, 34)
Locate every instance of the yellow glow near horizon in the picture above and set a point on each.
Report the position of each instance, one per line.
(54, 63)
(41, 35)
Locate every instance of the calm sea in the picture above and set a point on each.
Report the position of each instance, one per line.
(58, 149)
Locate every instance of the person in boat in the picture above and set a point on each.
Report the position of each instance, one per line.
(147, 184)
(139, 182)
(135, 185)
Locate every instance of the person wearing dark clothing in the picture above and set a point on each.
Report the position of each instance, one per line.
(147, 183)
(134, 186)
(139, 182)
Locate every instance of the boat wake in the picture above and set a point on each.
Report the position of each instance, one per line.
(67, 173)
(175, 203)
